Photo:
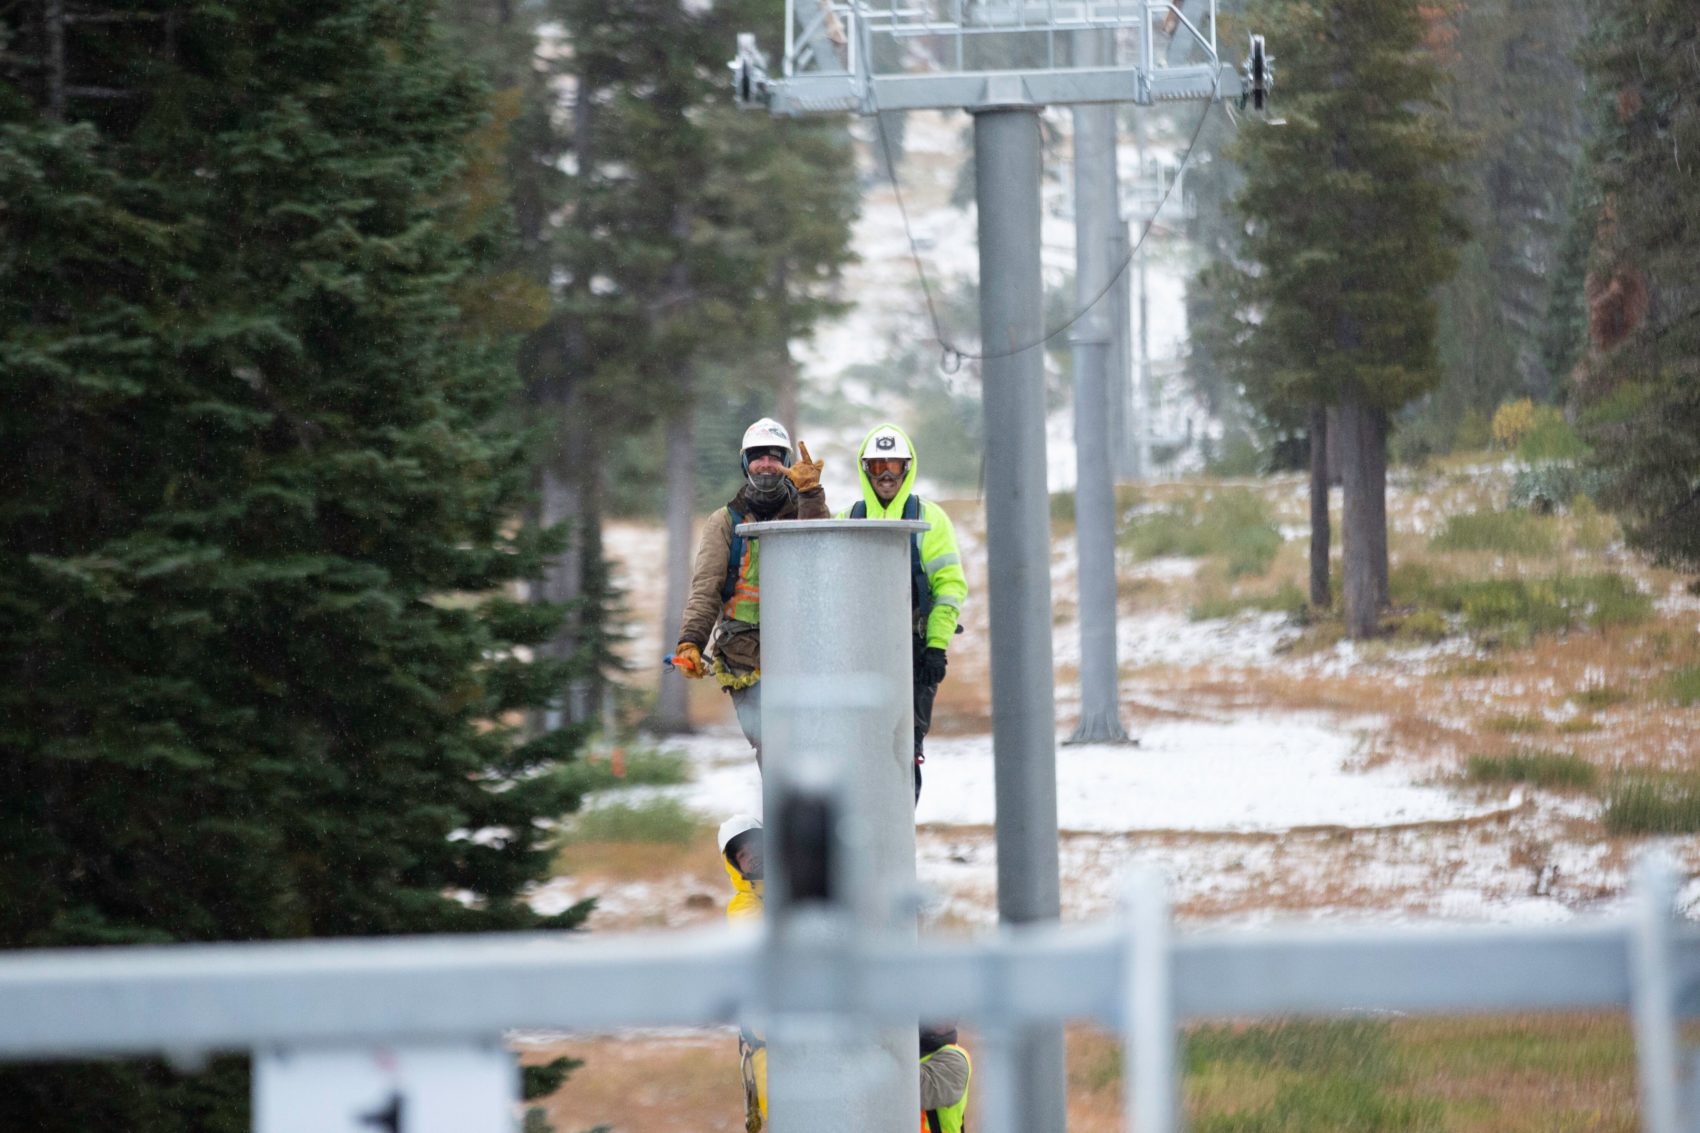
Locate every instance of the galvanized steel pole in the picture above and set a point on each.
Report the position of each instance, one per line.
(837, 728)
(1094, 488)
(1006, 167)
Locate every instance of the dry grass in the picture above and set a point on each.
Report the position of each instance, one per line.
(654, 1085)
(1500, 1074)
(626, 862)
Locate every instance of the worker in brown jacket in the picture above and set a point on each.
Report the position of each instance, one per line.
(720, 633)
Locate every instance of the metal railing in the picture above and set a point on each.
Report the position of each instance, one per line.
(1134, 976)
(863, 56)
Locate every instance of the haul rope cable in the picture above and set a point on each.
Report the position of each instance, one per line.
(953, 356)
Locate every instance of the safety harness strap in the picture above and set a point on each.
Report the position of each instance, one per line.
(920, 589)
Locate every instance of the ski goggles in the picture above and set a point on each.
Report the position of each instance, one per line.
(880, 465)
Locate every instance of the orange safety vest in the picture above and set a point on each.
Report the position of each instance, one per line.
(740, 595)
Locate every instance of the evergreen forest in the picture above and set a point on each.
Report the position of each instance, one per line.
(332, 332)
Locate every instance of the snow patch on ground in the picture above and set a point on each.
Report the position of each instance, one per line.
(1263, 773)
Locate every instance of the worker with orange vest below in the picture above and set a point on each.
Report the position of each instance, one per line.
(945, 1071)
(720, 632)
(937, 586)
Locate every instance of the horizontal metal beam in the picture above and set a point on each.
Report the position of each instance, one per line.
(817, 94)
(201, 998)
(1427, 970)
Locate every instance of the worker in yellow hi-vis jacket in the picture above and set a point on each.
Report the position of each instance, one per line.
(937, 586)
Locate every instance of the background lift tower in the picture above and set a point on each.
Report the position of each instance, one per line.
(1002, 61)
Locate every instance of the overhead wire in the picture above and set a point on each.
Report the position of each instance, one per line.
(953, 355)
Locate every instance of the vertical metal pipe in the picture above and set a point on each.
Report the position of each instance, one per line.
(1152, 1070)
(1144, 386)
(1006, 167)
(838, 724)
(1652, 997)
(1121, 373)
(1094, 487)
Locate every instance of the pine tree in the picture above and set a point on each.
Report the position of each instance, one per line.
(257, 507)
(1641, 384)
(1350, 228)
(1512, 84)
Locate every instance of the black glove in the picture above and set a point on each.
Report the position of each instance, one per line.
(932, 667)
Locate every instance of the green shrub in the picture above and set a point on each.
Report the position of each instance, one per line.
(1596, 697)
(1683, 686)
(1520, 723)
(1410, 584)
(1590, 528)
(1609, 599)
(1550, 769)
(1552, 485)
(641, 768)
(1550, 438)
(1474, 668)
(1541, 605)
(1252, 549)
(1169, 531)
(1576, 726)
(1422, 625)
(1640, 804)
(1289, 600)
(1233, 525)
(1504, 532)
(657, 820)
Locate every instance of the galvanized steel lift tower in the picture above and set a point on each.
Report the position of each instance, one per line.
(1002, 61)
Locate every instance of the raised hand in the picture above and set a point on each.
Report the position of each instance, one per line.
(804, 473)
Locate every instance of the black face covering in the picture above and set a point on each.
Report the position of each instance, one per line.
(767, 485)
(771, 498)
(936, 1038)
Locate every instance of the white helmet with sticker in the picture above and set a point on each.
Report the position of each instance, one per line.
(887, 443)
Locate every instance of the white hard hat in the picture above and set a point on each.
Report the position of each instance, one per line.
(736, 825)
(886, 442)
(767, 433)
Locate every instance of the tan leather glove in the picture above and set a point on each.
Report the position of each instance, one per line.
(688, 660)
(804, 473)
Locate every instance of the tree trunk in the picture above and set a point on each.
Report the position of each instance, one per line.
(53, 25)
(1332, 429)
(1321, 590)
(1375, 455)
(672, 712)
(560, 503)
(785, 391)
(1359, 582)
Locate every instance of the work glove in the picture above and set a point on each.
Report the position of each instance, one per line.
(688, 660)
(804, 473)
(932, 667)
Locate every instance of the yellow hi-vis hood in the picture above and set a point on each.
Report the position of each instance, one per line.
(893, 510)
(746, 894)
